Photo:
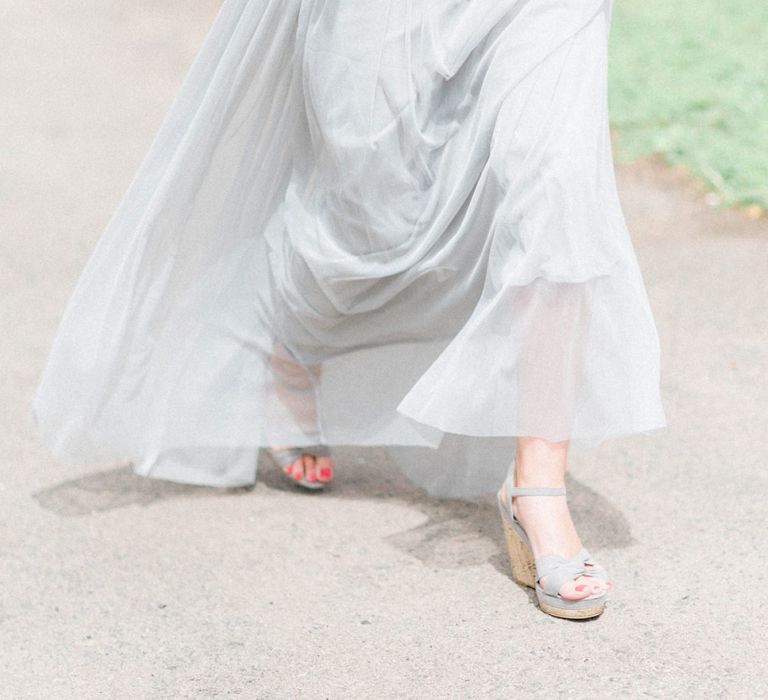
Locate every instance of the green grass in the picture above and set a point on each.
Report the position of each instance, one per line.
(689, 80)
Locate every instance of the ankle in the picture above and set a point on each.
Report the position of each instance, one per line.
(548, 523)
(538, 463)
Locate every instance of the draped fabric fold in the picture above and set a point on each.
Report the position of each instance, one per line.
(363, 223)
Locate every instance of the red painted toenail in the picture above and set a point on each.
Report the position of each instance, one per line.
(297, 475)
(325, 473)
(580, 587)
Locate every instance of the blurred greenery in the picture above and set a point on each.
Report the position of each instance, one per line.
(689, 79)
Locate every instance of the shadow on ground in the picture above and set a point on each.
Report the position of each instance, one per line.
(455, 534)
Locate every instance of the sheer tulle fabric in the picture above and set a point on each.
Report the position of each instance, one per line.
(364, 223)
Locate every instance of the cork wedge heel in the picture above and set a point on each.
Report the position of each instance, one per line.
(554, 569)
(520, 556)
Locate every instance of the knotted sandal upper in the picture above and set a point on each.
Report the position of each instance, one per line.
(557, 570)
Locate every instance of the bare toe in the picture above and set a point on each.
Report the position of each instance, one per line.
(324, 469)
(601, 583)
(575, 590)
(310, 467)
(591, 584)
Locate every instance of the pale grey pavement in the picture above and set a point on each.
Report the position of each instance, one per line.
(113, 586)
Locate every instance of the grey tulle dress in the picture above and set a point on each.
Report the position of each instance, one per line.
(364, 223)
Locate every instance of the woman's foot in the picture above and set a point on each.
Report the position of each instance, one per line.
(548, 523)
(547, 519)
(294, 387)
(316, 468)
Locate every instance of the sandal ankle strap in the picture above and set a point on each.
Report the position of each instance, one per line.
(513, 490)
(536, 491)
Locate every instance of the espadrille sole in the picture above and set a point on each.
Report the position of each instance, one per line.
(585, 614)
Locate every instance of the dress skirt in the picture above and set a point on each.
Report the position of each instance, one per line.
(363, 223)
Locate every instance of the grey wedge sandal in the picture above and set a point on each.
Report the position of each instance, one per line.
(289, 455)
(556, 570)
